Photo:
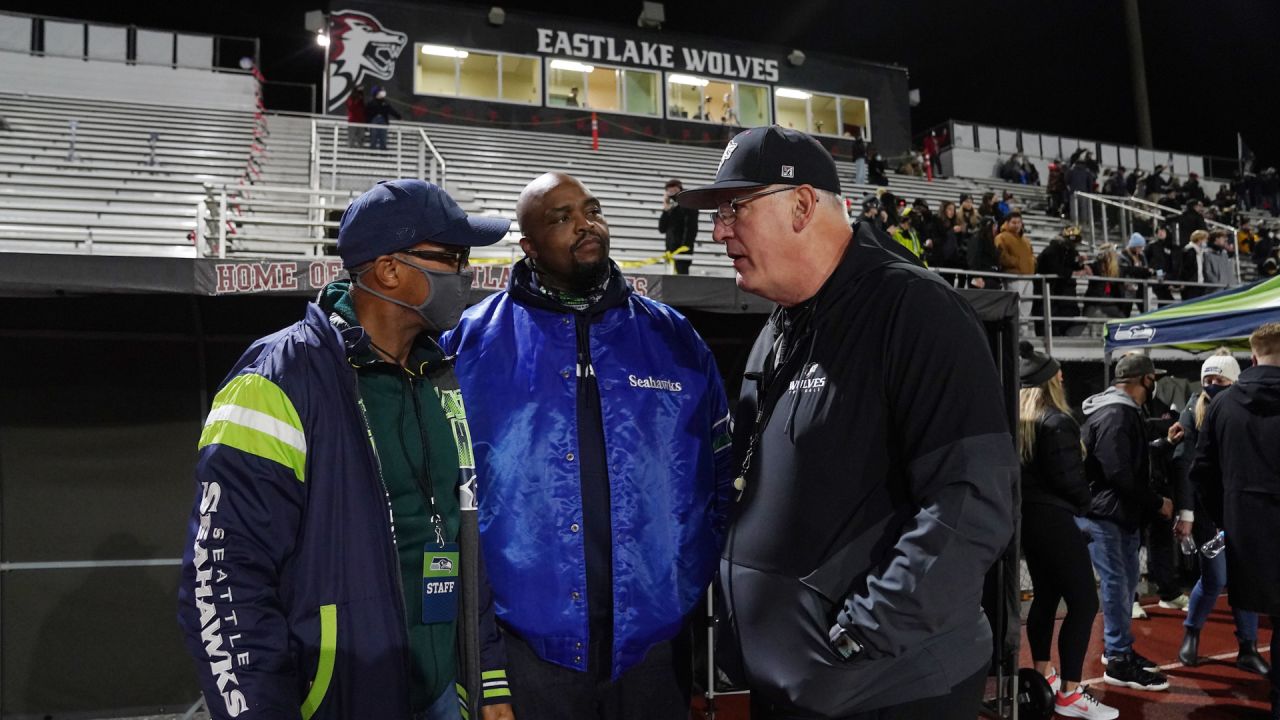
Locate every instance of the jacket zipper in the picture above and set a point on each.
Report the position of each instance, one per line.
(391, 532)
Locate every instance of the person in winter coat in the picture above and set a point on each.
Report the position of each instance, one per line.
(1104, 273)
(848, 564)
(1054, 494)
(906, 236)
(1164, 261)
(1061, 259)
(380, 112)
(356, 115)
(1117, 468)
(1017, 257)
(1217, 373)
(1219, 260)
(943, 248)
(680, 225)
(1191, 219)
(321, 577)
(1057, 189)
(1237, 469)
(1079, 179)
(1193, 265)
(602, 434)
(984, 256)
(1133, 265)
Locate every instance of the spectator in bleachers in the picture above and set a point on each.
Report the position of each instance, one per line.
(1191, 219)
(987, 208)
(1017, 257)
(873, 213)
(1057, 189)
(1265, 248)
(1004, 207)
(1193, 265)
(1011, 169)
(1030, 174)
(1225, 202)
(1079, 179)
(1054, 494)
(942, 249)
(572, 99)
(1165, 262)
(1117, 466)
(1062, 259)
(932, 152)
(356, 114)
(1104, 287)
(680, 225)
(983, 255)
(907, 236)
(1157, 184)
(1133, 265)
(967, 218)
(892, 207)
(876, 166)
(858, 153)
(1219, 259)
(1192, 190)
(1246, 238)
(1113, 182)
(1132, 180)
(380, 112)
(604, 502)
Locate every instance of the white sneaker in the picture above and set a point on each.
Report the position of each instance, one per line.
(1178, 603)
(1080, 704)
(1138, 613)
(1055, 682)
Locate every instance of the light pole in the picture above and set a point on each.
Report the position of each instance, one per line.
(317, 21)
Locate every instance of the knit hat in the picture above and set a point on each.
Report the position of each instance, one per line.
(1035, 368)
(1223, 365)
(1137, 241)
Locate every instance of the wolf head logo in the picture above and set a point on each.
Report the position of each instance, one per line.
(359, 48)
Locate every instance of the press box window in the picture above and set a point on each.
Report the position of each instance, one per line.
(822, 114)
(598, 87)
(455, 72)
(718, 101)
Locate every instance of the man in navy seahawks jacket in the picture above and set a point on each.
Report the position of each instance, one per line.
(320, 576)
(878, 469)
(602, 432)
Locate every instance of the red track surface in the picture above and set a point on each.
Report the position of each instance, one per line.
(1214, 690)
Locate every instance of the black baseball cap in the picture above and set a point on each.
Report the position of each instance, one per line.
(1134, 366)
(762, 156)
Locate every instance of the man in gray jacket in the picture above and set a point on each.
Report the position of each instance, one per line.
(1218, 259)
(1117, 467)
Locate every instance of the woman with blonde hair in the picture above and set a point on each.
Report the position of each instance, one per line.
(1218, 373)
(1054, 493)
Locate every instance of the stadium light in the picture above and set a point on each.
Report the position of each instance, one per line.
(688, 80)
(322, 39)
(442, 51)
(793, 94)
(572, 66)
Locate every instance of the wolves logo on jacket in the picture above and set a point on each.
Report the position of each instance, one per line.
(359, 48)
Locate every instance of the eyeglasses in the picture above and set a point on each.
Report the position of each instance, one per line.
(458, 260)
(727, 213)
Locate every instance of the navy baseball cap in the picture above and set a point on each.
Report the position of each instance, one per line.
(766, 156)
(398, 214)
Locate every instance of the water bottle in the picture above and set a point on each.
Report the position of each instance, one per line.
(1187, 545)
(1214, 547)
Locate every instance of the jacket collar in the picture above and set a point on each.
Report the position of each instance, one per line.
(523, 289)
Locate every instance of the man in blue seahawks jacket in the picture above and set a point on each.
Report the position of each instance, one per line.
(320, 573)
(601, 429)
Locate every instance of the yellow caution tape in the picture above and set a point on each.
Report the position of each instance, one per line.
(664, 257)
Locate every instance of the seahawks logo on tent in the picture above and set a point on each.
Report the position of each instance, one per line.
(1135, 332)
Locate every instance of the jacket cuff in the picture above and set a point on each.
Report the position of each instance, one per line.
(496, 688)
(1187, 515)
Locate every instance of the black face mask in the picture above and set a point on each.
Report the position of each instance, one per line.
(1211, 391)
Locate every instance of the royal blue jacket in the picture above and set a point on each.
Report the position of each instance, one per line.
(665, 426)
(290, 599)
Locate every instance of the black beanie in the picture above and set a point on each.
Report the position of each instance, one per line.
(1035, 368)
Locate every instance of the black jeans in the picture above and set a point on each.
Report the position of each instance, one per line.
(961, 703)
(543, 691)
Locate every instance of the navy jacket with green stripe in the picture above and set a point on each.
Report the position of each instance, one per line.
(291, 599)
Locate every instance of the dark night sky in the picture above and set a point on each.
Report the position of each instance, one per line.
(1057, 67)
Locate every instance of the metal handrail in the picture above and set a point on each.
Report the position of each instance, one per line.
(212, 214)
(436, 170)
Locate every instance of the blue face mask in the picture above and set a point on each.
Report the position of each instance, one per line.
(1211, 391)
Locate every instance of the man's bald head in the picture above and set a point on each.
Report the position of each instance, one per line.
(564, 232)
(531, 197)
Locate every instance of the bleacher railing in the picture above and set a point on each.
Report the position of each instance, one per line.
(266, 220)
(1098, 214)
(343, 151)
